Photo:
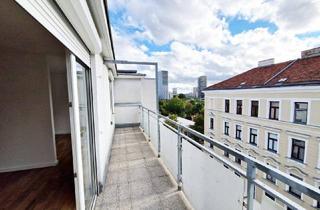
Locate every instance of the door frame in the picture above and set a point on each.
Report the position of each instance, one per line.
(75, 129)
(93, 158)
(71, 64)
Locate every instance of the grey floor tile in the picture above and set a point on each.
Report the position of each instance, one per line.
(136, 179)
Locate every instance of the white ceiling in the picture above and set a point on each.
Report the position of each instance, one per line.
(19, 31)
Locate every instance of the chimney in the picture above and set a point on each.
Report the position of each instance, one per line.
(310, 52)
(267, 62)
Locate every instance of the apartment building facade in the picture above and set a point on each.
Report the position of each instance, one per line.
(272, 113)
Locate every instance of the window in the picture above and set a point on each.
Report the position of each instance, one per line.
(253, 136)
(300, 112)
(237, 160)
(274, 110)
(239, 106)
(226, 128)
(238, 132)
(298, 150)
(211, 123)
(272, 142)
(227, 105)
(226, 154)
(270, 196)
(254, 108)
(293, 191)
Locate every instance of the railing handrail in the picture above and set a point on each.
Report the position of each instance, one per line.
(285, 178)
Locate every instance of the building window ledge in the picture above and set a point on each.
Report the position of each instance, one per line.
(291, 160)
(272, 153)
(253, 144)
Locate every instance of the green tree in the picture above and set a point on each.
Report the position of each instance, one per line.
(198, 105)
(181, 96)
(189, 110)
(163, 107)
(176, 106)
(199, 122)
(174, 118)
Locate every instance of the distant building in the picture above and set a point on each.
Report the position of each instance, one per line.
(174, 91)
(195, 92)
(271, 112)
(202, 84)
(163, 85)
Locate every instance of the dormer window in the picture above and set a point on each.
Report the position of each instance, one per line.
(282, 80)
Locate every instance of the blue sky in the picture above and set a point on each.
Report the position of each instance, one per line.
(238, 25)
(214, 38)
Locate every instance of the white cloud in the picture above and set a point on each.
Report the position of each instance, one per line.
(200, 42)
(299, 16)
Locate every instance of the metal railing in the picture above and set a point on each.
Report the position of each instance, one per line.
(253, 165)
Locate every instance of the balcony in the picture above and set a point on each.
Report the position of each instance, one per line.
(159, 165)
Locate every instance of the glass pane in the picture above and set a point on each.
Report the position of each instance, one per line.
(85, 132)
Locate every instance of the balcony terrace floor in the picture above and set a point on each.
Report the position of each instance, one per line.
(136, 179)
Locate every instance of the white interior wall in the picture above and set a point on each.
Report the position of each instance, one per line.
(60, 101)
(25, 128)
(103, 116)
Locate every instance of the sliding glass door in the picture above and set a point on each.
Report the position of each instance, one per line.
(86, 133)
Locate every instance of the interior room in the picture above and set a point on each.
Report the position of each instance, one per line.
(36, 163)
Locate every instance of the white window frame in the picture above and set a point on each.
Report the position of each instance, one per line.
(266, 141)
(235, 132)
(292, 107)
(223, 126)
(211, 117)
(257, 136)
(268, 108)
(235, 107)
(290, 148)
(224, 106)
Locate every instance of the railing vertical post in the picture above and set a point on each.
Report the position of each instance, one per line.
(149, 125)
(159, 140)
(251, 175)
(142, 121)
(179, 147)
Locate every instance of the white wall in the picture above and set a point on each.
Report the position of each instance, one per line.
(131, 91)
(149, 94)
(127, 90)
(26, 137)
(207, 183)
(103, 116)
(127, 97)
(60, 101)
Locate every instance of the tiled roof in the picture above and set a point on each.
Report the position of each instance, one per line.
(304, 71)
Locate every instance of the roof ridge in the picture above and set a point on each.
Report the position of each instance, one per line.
(280, 71)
